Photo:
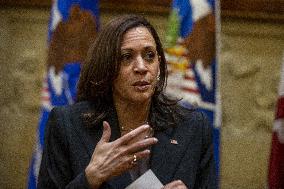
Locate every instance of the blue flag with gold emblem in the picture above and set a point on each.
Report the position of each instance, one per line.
(191, 56)
(72, 28)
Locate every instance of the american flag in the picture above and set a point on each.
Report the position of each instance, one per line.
(192, 76)
(67, 48)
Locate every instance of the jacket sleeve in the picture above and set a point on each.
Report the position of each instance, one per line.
(55, 170)
(206, 177)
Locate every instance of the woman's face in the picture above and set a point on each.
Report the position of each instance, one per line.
(137, 78)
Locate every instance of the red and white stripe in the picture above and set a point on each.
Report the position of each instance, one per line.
(45, 96)
(189, 88)
(183, 85)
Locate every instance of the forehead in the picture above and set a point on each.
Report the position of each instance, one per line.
(138, 37)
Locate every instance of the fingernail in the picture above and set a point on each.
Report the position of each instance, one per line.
(146, 126)
(155, 140)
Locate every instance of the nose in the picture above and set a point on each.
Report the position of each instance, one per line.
(140, 66)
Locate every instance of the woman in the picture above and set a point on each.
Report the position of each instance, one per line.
(105, 139)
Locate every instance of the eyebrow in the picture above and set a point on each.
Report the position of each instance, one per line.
(146, 47)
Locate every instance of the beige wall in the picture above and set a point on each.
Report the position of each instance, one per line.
(249, 62)
(250, 69)
(22, 57)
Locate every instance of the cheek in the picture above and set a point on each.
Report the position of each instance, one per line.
(118, 83)
(121, 82)
(156, 71)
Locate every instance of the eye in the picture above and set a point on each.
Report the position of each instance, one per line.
(125, 57)
(150, 56)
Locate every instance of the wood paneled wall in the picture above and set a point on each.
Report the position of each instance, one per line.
(269, 10)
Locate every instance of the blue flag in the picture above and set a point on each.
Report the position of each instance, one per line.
(191, 57)
(72, 28)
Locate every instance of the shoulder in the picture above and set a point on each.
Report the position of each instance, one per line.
(194, 121)
(191, 115)
(69, 116)
(190, 112)
(79, 107)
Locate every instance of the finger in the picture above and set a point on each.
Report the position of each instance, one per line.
(181, 185)
(106, 132)
(141, 145)
(132, 134)
(174, 184)
(131, 162)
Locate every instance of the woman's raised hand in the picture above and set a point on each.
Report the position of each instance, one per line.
(113, 158)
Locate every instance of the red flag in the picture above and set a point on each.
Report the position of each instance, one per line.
(276, 164)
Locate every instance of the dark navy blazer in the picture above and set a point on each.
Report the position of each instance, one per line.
(69, 146)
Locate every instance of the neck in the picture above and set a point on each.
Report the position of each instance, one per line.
(131, 115)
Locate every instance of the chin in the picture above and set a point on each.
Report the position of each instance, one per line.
(142, 97)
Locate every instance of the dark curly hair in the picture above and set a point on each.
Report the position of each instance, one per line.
(102, 67)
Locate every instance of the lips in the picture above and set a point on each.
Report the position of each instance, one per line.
(141, 85)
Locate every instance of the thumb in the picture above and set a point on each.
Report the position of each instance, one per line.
(106, 132)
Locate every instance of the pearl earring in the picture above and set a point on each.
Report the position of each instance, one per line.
(158, 77)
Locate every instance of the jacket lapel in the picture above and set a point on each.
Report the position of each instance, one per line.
(123, 180)
(92, 135)
(166, 154)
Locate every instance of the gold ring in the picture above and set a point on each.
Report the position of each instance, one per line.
(134, 159)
